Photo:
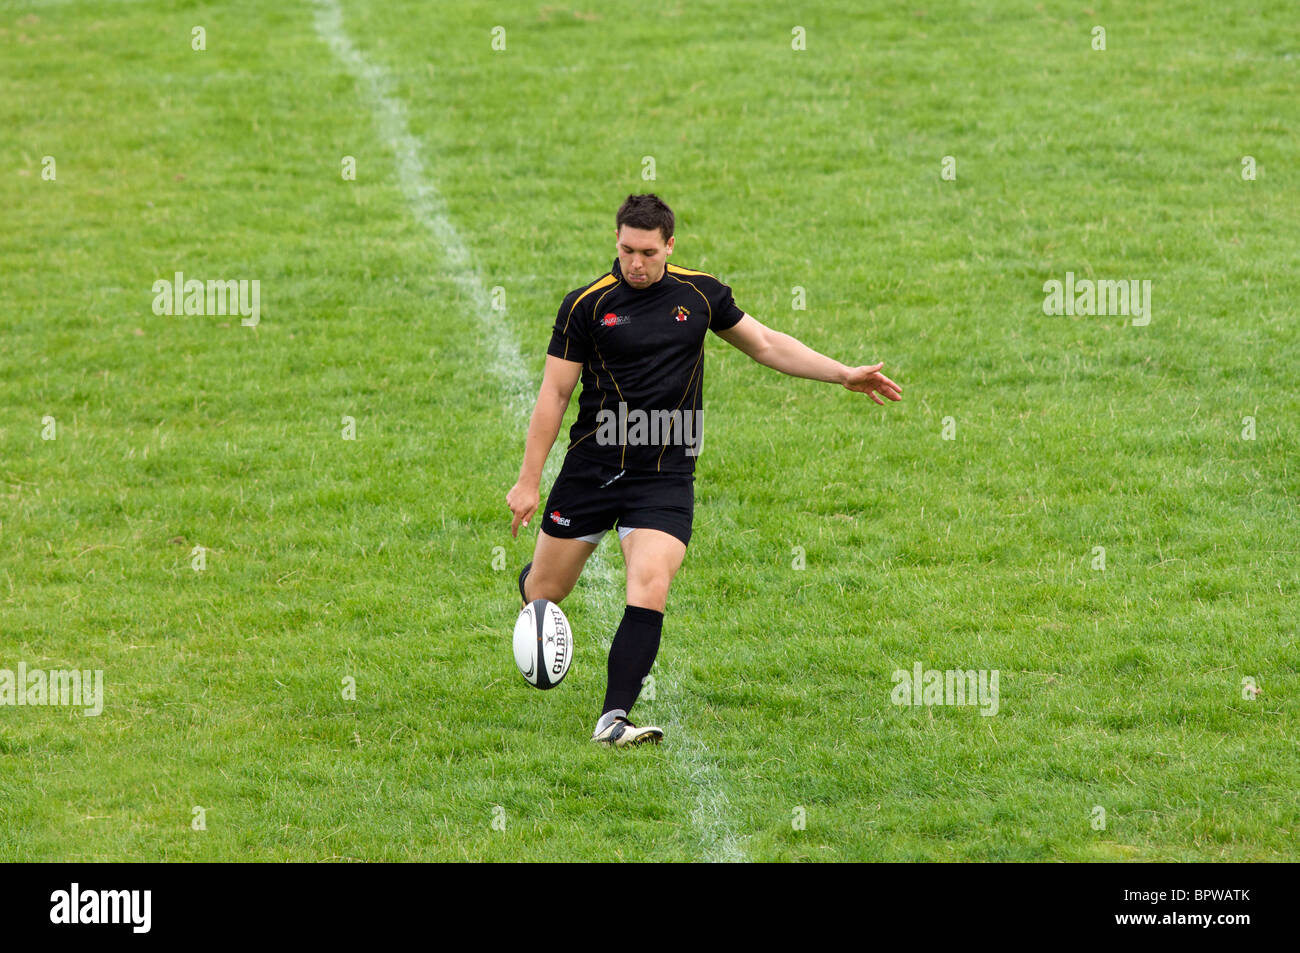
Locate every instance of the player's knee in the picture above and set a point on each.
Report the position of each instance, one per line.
(649, 587)
(544, 588)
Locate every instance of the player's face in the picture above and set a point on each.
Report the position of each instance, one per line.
(642, 255)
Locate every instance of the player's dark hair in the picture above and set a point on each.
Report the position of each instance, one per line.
(646, 212)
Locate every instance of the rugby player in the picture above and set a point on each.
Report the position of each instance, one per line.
(635, 336)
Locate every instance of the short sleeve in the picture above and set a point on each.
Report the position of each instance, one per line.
(571, 338)
(725, 313)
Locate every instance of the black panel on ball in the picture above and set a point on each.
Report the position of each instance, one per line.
(539, 614)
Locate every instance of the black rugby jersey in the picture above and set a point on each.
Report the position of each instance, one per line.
(642, 354)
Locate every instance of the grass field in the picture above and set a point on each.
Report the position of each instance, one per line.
(387, 559)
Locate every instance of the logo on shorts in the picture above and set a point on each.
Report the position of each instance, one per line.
(681, 314)
(557, 518)
(612, 319)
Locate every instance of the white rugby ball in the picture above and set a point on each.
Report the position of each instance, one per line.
(543, 644)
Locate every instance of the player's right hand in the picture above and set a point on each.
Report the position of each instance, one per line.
(523, 499)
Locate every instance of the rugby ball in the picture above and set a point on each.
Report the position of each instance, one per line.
(543, 644)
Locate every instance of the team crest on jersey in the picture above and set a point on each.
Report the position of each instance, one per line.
(612, 319)
(681, 314)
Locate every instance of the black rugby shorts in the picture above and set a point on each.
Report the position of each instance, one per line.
(588, 499)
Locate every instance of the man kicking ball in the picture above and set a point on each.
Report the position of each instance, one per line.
(636, 337)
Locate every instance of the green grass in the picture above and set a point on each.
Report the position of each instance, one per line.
(374, 558)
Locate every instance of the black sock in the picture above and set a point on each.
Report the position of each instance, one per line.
(636, 643)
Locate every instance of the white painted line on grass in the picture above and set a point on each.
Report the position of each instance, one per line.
(711, 815)
(424, 199)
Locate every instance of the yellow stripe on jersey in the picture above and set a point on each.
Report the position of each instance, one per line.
(695, 370)
(675, 270)
(692, 284)
(604, 282)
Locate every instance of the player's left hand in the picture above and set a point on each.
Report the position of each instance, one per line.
(868, 380)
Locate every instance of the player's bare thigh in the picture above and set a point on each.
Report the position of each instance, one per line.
(557, 564)
(653, 558)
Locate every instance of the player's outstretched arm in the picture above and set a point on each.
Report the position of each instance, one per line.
(558, 382)
(788, 355)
